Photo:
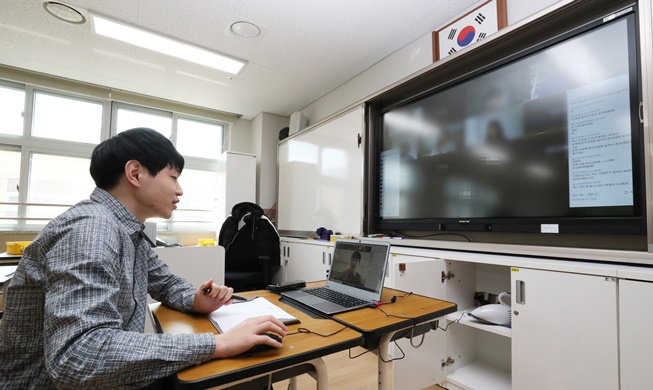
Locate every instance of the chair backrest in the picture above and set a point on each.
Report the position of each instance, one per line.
(248, 237)
(196, 264)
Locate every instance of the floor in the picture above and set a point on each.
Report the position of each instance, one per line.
(359, 373)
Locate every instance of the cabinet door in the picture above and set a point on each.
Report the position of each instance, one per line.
(309, 262)
(421, 367)
(564, 331)
(635, 337)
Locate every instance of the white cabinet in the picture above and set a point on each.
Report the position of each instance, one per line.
(467, 355)
(564, 331)
(478, 356)
(421, 366)
(563, 336)
(574, 325)
(307, 260)
(635, 337)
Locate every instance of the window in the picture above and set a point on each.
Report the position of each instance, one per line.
(127, 118)
(9, 181)
(12, 104)
(200, 142)
(45, 170)
(197, 205)
(199, 139)
(64, 118)
(56, 180)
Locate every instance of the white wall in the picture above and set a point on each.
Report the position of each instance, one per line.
(399, 65)
(520, 9)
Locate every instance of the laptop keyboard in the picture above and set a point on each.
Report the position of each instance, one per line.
(335, 297)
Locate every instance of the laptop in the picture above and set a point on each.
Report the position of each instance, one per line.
(355, 279)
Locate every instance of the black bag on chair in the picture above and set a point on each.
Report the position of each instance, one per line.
(252, 248)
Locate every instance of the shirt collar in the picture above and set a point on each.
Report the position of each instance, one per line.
(132, 225)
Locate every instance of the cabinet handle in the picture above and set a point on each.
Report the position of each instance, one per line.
(284, 251)
(520, 290)
(323, 260)
(329, 259)
(288, 251)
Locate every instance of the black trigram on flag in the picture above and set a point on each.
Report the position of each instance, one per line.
(480, 18)
(452, 33)
(450, 52)
(480, 36)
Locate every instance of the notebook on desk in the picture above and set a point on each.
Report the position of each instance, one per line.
(229, 316)
(355, 279)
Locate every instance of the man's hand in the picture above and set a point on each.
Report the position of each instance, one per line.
(247, 334)
(210, 297)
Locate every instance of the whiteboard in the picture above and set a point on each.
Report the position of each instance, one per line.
(321, 177)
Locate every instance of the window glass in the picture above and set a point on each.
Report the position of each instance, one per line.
(12, 104)
(199, 139)
(67, 119)
(57, 180)
(129, 119)
(56, 175)
(197, 204)
(9, 176)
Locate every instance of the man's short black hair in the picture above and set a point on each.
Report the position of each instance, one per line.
(356, 256)
(152, 149)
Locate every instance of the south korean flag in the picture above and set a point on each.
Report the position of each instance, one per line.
(473, 27)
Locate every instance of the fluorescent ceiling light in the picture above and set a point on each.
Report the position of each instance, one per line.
(161, 44)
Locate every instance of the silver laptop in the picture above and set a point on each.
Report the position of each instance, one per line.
(355, 278)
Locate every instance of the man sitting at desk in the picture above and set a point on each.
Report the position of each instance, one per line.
(74, 314)
(351, 275)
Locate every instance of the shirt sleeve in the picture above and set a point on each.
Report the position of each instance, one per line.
(166, 287)
(85, 340)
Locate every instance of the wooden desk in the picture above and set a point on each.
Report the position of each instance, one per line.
(8, 259)
(300, 353)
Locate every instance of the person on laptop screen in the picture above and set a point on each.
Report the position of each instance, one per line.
(351, 275)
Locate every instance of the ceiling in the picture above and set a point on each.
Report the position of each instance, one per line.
(307, 47)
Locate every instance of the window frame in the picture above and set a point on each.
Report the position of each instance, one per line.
(29, 145)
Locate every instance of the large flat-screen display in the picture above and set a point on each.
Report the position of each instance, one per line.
(548, 140)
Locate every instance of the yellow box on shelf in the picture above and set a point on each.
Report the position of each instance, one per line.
(17, 247)
(206, 242)
(335, 237)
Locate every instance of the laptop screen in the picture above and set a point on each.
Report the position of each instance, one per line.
(360, 265)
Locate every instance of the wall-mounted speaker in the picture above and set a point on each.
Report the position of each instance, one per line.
(298, 122)
(283, 133)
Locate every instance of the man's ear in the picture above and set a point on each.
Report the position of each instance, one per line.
(133, 169)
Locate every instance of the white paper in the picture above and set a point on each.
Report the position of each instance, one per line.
(6, 272)
(229, 316)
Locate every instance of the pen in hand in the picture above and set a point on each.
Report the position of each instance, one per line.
(234, 297)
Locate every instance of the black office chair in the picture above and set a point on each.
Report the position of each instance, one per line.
(252, 248)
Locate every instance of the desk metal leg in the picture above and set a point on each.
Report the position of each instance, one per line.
(382, 354)
(292, 383)
(320, 374)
